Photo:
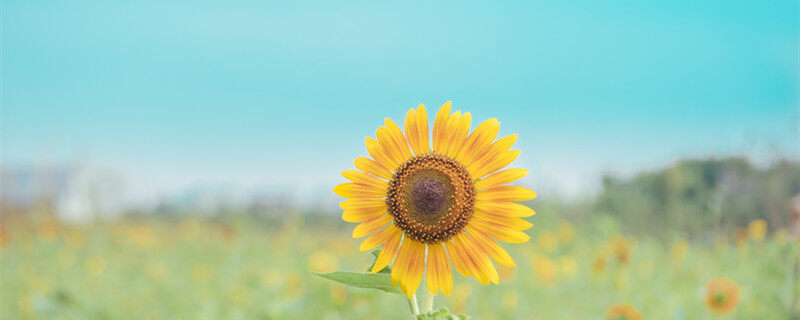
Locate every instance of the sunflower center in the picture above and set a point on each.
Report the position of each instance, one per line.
(430, 193)
(431, 197)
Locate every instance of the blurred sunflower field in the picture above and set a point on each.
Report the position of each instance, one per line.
(194, 268)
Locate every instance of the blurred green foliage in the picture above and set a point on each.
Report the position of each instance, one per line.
(198, 269)
(694, 196)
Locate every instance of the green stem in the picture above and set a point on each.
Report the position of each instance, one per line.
(412, 303)
(427, 301)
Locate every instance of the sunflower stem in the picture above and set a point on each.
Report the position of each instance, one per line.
(412, 303)
(427, 301)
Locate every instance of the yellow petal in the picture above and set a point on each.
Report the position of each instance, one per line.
(478, 140)
(500, 178)
(388, 251)
(362, 214)
(449, 130)
(439, 276)
(371, 226)
(369, 166)
(459, 134)
(411, 130)
(354, 190)
(378, 239)
(496, 164)
(502, 234)
(502, 221)
(505, 208)
(497, 148)
(414, 269)
(389, 147)
(478, 262)
(457, 258)
(398, 137)
(488, 245)
(506, 193)
(464, 255)
(363, 203)
(365, 179)
(416, 126)
(439, 137)
(423, 135)
(401, 261)
(382, 157)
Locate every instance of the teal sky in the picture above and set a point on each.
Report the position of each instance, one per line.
(281, 95)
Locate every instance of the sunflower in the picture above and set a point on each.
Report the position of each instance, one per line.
(740, 237)
(436, 198)
(621, 249)
(623, 311)
(722, 295)
(757, 229)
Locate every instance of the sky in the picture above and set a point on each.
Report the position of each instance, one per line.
(280, 95)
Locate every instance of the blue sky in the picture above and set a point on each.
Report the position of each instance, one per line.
(266, 95)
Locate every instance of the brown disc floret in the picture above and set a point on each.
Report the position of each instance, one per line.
(431, 197)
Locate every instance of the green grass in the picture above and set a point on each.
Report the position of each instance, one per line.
(155, 269)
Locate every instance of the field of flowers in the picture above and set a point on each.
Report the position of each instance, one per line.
(198, 269)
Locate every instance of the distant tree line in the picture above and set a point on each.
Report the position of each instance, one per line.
(701, 195)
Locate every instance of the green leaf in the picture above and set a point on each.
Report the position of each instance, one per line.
(379, 281)
(375, 254)
(441, 314)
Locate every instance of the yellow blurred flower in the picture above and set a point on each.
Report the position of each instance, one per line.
(338, 295)
(678, 250)
(545, 269)
(200, 273)
(568, 266)
(229, 233)
(565, 232)
(623, 311)
(74, 238)
(49, 228)
(740, 237)
(322, 261)
(621, 249)
(548, 240)
(142, 236)
(95, 265)
(757, 229)
(599, 263)
(189, 228)
(343, 246)
(271, 277)
(5, 237)
(722, 295)
(294, 287)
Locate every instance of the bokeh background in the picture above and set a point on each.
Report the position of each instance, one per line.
(175, 160)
